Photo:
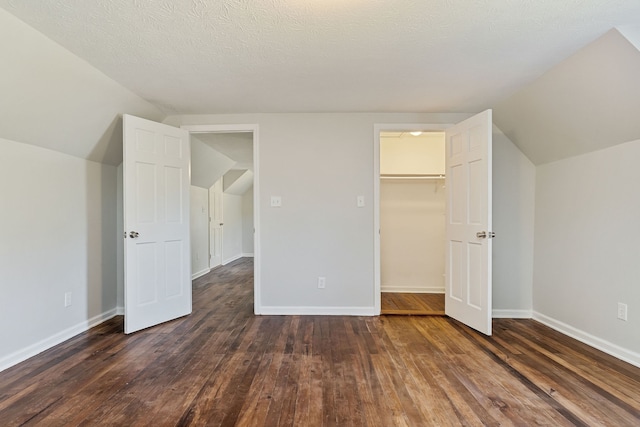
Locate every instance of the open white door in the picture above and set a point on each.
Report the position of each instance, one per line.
(468, 222)
(156, 183)
(215, 224)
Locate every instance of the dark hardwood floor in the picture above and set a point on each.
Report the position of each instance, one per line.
(412, 304)
(224, 366)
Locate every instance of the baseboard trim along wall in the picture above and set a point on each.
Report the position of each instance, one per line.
(200, 273)
(511, 314)
(317, 311)
(45, 344)
(247, 255)
(591, 340)
(233, 258)
(412, 289)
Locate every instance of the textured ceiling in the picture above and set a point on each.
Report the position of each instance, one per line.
(240, 56)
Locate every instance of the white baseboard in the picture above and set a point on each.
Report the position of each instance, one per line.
(119, 311)
(233, 258)
(412, 289)
(200, 273)
(45, 344)
(317, 311)
(602, 345)
(511, 314)
(247, 255)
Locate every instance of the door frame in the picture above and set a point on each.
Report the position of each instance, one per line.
(377, 130)
(254, 128)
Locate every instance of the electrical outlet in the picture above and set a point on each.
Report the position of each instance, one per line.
(622, 311)
(67, 299)
(322, 282)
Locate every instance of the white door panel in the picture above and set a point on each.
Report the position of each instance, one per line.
(216, 224)
(468, 257)
(156, 207)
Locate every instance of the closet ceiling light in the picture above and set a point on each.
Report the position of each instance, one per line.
(417, 133)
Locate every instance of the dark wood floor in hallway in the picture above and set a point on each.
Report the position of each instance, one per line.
(223, 366)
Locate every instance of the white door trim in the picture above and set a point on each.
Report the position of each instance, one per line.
(231, 128)
(377, 129)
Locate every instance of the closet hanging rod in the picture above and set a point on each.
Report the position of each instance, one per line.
(412, 176)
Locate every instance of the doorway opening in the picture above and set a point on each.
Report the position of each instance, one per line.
(468, 220)
(224, 226)
(409, 215)
(412, 222)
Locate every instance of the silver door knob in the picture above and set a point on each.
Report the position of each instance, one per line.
(484, 235)
(134, 234)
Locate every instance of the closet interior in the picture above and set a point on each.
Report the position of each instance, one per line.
(412, 222)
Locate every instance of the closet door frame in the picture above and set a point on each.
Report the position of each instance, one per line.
(377, 130)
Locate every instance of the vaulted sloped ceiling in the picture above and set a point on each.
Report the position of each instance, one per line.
(71, 67)
(207, 164)
(51, 98)
(237, 146)
(588, 102)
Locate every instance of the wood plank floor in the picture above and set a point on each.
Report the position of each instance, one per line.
(412, 304)
(223, 366)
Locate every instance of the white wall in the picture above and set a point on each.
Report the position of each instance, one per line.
(587, 225)
(58, 235)
(247, 223)
(232, 214)
(199, 231)
(318, 164)
(412, 241)
(513, 222)
(58, 219)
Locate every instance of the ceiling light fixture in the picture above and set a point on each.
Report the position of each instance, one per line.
(416, 133)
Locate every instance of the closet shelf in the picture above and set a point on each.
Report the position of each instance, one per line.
(412, 176)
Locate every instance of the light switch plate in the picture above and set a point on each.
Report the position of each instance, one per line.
(276, 201)
(360, 201)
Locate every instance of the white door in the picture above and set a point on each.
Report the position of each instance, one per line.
(156, 219)
(215, 224)
(468, 222)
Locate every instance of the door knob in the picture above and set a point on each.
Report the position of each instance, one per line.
(484, 234)
(134, 234)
